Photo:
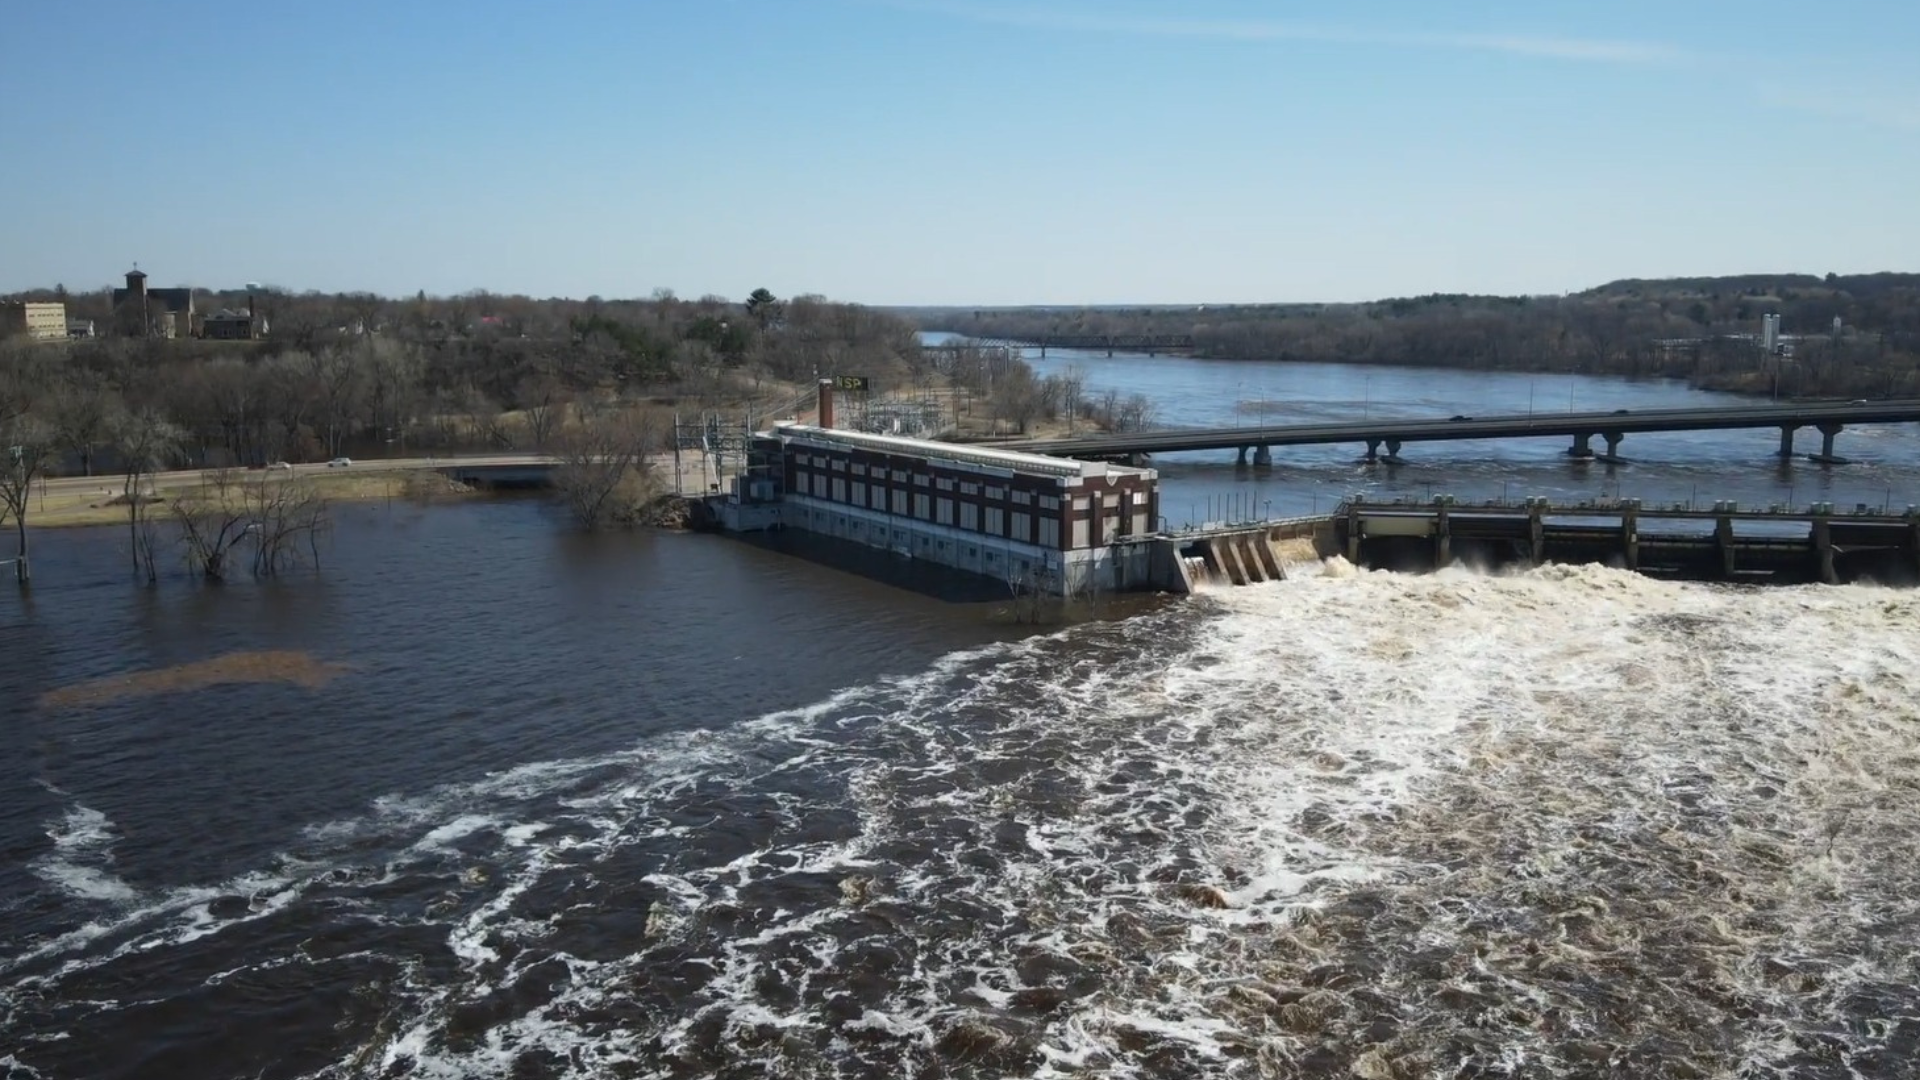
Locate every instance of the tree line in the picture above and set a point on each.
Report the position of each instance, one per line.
(592, 382)
(1704, 330)
(355, 374)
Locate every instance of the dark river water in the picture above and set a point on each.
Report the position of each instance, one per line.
(655, 805)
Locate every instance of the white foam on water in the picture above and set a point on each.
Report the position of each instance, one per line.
(17, 1069)
(441, 838)
(1352, 821)
(82, 850)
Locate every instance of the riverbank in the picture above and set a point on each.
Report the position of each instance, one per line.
(74, 502)
(69, 507)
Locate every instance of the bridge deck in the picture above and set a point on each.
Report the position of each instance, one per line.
(1537, 425)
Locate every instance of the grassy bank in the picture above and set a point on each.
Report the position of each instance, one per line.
(72, 508)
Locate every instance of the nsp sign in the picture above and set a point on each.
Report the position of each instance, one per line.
(858, 384)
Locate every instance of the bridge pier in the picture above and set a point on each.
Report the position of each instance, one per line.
(1393, 451)
(1826, 456)
(1612, 456)
(1823, 548)
(1630, 533)
(1442, 537)
(1913, 540)
(1786, 441)
(1241, 461)
(1536, 532)
(1723, 539)
(1263, 457)
(1373, 449)
(1582, 446)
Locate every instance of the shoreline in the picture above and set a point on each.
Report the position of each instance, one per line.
(67, 502)
(94, 506)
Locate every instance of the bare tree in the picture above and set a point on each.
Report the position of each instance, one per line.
(212, 523)
(84, 411)
(26, 450)
(144, 440)
(1136, 413)
(1073, 389)
(1017, 396)
(333, 377)
(603, 473)
(282, 515)
(541, 402)
(390, 374)
(274, 516)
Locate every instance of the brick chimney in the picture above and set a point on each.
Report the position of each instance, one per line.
(826, 403)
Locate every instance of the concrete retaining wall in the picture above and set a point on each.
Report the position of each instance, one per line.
(1125, 567)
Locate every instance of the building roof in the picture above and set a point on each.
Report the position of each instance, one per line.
(174, 299)
(986, 456)
(136, 272)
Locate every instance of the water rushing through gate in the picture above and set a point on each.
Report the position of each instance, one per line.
(1561, 823)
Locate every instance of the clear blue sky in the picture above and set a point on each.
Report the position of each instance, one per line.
(899, 151)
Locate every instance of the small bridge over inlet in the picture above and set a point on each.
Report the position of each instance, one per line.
(1829, 419)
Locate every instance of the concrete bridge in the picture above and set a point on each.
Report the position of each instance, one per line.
(499, 471)
(1612, 427)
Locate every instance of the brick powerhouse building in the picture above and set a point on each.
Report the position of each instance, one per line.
(1063, 525)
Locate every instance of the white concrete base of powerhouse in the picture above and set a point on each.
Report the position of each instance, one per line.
(1121, 567)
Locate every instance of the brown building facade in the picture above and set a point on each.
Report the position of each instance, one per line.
(987, 511)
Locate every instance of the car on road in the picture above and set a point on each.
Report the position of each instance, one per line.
(339, 463)
(1620, 412)
(280, 466)
(1457, 419)
(1858, 401)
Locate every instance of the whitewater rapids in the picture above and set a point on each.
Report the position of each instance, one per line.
(1565, 823)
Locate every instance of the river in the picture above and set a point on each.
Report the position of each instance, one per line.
(482, 798)
(1678, 467)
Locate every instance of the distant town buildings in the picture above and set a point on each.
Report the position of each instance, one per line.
(230, 325)
(39, 321)
(144, 312)
(80, 328)
(1769, 342)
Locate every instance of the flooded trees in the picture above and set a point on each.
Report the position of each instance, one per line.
(144, 440)
(211, 524)
(266, 521)
(26, 449)
(287, 518)
(601, 469)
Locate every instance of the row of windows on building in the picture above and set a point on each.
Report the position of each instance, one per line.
(1020, 525)
(882, 474)
(938, 509)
